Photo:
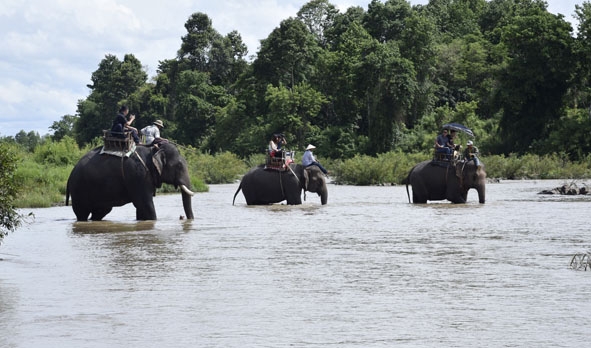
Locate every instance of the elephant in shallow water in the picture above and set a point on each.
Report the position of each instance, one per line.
(439, 180)
(100, 182)
(263, 186)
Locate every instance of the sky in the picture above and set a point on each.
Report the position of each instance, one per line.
(50, 48)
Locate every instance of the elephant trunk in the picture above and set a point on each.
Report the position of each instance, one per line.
(323, 196)
(481, 194)
(187, 204)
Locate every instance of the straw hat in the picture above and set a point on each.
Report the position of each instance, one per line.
(159, 123)
(310, 147)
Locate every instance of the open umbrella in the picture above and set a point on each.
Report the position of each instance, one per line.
(458, 127)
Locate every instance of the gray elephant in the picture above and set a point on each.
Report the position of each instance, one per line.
(261, 186)
(100, 182)
(437, 180)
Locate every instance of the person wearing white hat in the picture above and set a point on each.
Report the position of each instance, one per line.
(471, 153)
(151, 133)
(308, 159)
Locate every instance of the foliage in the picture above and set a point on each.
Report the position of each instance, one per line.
(60, 153)
(530, 166)
(45, 183)
(388, 168)
(10, 219)
(221, 168)
(359, 84)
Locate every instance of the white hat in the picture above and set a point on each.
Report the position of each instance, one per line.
(469, 142)
(159, 123)
(310, 147)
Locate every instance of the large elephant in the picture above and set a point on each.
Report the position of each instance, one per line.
(261, 186)
(100, 182)
(437, 180)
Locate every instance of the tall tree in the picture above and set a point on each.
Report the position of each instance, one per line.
(112, 84)
(386, 21)
(538, 71)
(287, 55)
(10, 219)
(318, 16)
(198, 41)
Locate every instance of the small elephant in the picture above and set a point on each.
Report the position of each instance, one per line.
(261, 186)
(100, 182)
(436, 180)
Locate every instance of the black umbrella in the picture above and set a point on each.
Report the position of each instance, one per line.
(458, 127)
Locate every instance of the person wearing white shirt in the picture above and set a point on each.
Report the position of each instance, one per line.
(152, 132)
(309, 160)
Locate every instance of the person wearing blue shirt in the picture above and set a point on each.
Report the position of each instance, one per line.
(441, 143)
(309, 160)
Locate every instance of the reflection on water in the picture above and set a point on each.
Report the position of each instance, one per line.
(366, 270)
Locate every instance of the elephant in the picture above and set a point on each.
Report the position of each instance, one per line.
(99, 182)
(438, 180)
(263, 186)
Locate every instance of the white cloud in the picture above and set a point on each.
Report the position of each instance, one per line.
(50, 48)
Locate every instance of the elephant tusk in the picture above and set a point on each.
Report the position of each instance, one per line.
(187, 191)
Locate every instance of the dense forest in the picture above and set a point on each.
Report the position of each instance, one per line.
(363, 82)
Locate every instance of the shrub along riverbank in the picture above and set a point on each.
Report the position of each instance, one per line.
(42, 174)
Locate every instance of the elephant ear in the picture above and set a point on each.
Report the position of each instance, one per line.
(306, 178)
(159, 160)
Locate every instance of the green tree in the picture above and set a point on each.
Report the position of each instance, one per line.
(10, 219)
(537, 75)
(318, 16)
(287, 56)
(581, 92)
(28, 140)
(112, 84)
(293, 111)
(63, 127)
(386, 21)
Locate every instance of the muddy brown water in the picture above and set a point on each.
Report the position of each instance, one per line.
(366, 270)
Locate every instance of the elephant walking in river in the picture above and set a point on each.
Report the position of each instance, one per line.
(262, 186)
(439, 180)
(100, 182)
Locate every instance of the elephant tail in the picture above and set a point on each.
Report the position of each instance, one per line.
(67, 192)
(239, 188)
(406, 181)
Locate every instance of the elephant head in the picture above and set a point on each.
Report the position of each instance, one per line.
(314, 181)
(471, 176)
(172, 168)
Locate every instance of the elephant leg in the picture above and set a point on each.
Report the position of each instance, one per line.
(99, 213)
(418, 199)
(145, 210)
(294, 200)
(81, 213)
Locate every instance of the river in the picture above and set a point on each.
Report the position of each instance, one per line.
(366, 270)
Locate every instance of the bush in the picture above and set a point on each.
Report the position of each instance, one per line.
(388, 168)
(552, 166)
(223, 168)
(9, 218)
(62, 153)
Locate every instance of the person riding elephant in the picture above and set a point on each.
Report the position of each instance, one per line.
(261, 186)
(121, 125)
(100, 182)
(471, 153)
(432, 181)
